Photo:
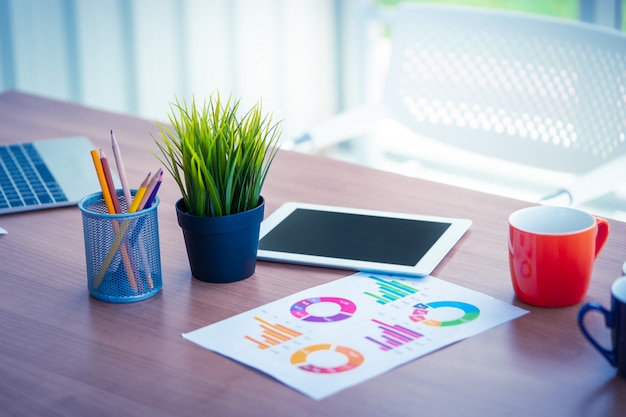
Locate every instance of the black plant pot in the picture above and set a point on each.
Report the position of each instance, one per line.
(224, 248)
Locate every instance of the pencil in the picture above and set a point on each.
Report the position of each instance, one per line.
(117, 242)
(118, 209)
(134, 236)
(139, 195)
(146, 201)
(155, 191)
(117, 154)
(102, 180)
(110, 184)
(149, 189)
(106, 195)
(142, 204)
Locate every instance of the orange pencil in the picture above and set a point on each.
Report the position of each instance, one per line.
(108, 201)
(103, 182)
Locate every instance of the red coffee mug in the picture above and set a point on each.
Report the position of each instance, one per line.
(551, 253)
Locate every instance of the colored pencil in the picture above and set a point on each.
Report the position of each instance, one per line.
(102, 180)
(119, 162)
(146, 202)
(139, 195)
(117, 242)
(106, 195)
(154, 192)
(110, 184)
(149, 189)
(142, 204)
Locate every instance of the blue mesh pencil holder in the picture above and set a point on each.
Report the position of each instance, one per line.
(122, 251)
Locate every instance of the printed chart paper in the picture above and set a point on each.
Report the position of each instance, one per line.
(336, 335)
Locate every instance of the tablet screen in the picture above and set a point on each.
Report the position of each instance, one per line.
(359, 237)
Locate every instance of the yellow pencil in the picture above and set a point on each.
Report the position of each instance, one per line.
(139, 195)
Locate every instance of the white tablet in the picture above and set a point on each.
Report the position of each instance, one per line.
(362, 240)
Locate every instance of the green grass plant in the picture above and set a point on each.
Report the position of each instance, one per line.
(218, 158)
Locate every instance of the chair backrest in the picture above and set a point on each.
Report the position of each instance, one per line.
(540, 91)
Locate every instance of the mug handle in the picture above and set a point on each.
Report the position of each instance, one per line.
(602, 234)
(608, 354)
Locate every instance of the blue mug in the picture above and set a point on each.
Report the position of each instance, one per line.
(615, 319)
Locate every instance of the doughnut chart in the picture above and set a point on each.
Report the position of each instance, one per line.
(354, 359)
(421, 312)
(347, 309)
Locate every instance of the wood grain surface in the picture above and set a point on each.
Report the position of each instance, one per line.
(63, 353)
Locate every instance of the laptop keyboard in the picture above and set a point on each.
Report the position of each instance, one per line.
(25, 180)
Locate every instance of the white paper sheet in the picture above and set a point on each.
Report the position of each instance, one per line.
(333, 336)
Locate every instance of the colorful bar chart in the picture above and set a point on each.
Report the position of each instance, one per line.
(393, 336)
(389, 290)
(272, 334)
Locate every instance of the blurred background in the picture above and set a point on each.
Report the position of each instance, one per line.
(306, 60)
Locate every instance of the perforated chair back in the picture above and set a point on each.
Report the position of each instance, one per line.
(544, 92)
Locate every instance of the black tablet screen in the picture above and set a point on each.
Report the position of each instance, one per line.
(354, 236)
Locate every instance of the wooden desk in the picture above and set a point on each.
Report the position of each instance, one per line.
(64, 353)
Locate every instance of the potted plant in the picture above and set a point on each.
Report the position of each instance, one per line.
(219, 159)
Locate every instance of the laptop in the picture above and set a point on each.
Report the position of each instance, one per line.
(46, 173)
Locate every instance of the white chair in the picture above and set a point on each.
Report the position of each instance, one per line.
(535, 91)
